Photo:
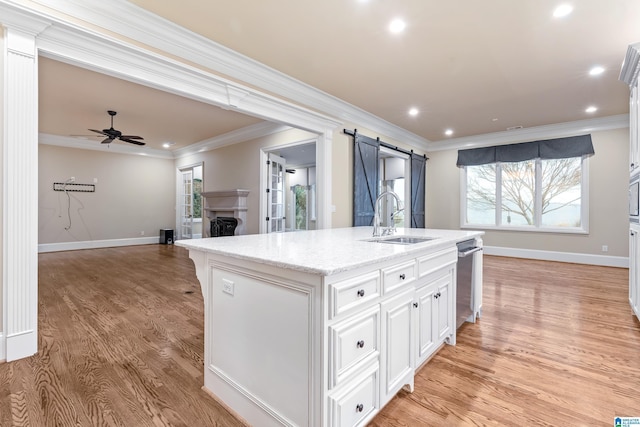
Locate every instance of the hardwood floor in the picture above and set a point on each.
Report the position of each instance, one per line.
(121, 344)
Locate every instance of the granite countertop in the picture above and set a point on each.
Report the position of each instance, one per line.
(325, 252)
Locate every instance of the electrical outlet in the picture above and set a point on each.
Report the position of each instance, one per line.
(227, 286)
(72, 179)
(605, 248)
(95, 180)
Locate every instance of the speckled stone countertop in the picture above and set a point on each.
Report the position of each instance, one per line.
(325, 252)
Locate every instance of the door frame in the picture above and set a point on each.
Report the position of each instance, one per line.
(323, 180)
(179, 169)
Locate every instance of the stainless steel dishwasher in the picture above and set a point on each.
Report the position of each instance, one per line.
(464, 278)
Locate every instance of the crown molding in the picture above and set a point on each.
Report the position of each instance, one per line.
(240, 135)
(557, 130)
(629, 71)
(85, 144)
(145, 27)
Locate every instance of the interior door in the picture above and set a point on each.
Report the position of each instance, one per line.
(275, 194)
(186, 205)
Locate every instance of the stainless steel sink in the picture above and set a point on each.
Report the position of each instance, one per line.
(402, 240)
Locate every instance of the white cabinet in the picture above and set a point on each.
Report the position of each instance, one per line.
(634, 268)
(397, 338)
(629, 75)
(434, 317)
(634, 144)
(290, 347)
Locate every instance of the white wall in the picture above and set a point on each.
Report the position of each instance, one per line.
(608, 182)
(134, 195)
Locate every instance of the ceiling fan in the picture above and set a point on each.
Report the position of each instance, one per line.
(112, 133)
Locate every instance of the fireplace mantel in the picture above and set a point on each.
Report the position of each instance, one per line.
(230, 203)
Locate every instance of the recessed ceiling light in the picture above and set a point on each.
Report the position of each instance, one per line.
(397, 26)
(413, 112)
(448, 132)
(597, 70)
(168, 144)
(591, 109)
(562, 10)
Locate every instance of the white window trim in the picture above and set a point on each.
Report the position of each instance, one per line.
(584, 205)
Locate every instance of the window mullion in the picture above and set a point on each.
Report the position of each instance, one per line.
(538, 195)
(498, 194)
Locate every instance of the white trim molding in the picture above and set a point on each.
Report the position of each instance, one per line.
(571, 257)
(3, 355)
(138, 24)
(96, 244)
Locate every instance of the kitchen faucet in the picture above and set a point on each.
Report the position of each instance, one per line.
(376, 215)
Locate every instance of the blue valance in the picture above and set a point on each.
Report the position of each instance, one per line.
(559, 148)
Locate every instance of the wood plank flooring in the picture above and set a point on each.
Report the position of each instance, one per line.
(121, 344)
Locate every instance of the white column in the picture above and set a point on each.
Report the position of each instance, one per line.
(323, 179)
(20, 192)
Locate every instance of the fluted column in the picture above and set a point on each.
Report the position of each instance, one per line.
(20, 191)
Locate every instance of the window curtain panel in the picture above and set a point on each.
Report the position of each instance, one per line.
(559, 148)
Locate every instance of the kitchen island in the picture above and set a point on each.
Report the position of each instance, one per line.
(324, 327)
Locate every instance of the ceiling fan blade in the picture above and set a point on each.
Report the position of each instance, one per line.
(97, 131)
(132, 141)
(130, 137)
(108, 140)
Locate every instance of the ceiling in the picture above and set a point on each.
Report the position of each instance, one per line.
(474, 67)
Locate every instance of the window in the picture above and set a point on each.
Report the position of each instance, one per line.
(536, 194)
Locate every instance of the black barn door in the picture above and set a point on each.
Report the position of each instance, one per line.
(365, 179)
(418, 169)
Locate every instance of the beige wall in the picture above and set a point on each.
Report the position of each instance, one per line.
(133, 194)
(608, 222)
(238, 166)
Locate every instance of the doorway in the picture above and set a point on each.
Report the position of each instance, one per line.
(189, 218)
(295, 207)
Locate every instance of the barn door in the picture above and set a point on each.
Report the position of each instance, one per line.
(418, 169)
(366, 154)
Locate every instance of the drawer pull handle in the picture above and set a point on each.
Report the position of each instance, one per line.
(402, 276)
(360, 292)
(437, 295)
(359, 407)
(360, 344)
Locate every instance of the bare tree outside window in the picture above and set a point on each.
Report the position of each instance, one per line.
(560, 193)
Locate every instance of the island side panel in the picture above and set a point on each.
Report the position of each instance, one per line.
(262, 354)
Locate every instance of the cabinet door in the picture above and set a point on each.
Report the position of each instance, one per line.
(634, 267)
(397, 348)
(426, 329)
(445, 309)
(634, 144)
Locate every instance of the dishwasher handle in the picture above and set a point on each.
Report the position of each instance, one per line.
(469, 251)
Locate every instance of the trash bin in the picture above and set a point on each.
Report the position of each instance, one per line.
(166, 236)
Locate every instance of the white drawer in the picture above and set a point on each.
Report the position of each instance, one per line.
(398, 276)
(356, 403)
(433, 262)
(352, 293)
(353, 343)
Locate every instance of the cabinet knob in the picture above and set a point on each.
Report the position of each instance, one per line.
(360, 292)
(402, 276)
(360, 344)
(359, 407)
(437, 295)
(415, 304)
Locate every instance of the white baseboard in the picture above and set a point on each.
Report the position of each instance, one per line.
(93, 244)
(3, 354)
(608, 261)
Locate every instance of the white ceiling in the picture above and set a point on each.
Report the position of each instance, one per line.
(473, 66)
